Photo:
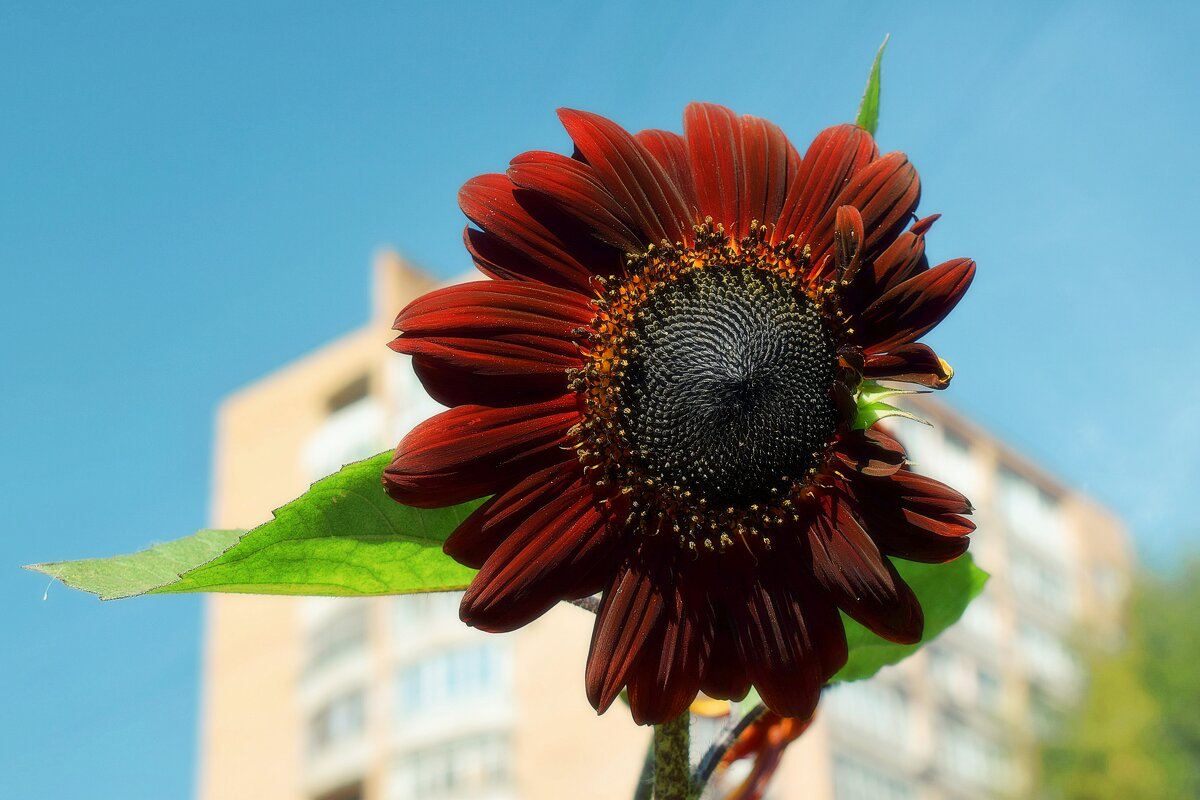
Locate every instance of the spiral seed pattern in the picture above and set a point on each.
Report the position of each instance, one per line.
(707, 387)
(727, 391)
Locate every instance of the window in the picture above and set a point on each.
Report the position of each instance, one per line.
(1045, 715)
(352, 431)
(338, 721)
(463, 770)
(855, 780)
(959, 678)
(946, 456)
(342, 633)
(1046, 655)
(965, 754)
(960, 465)
(988, 690)
(1040, 584)
(351, 393)
(463, 675)
(872, 707)
(1032, 514)
(953, 674)
(981, 620)
(352, 792)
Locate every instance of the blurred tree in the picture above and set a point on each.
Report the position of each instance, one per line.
(1136, 733)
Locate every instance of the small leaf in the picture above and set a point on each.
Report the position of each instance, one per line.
(945, 591)
(344, 536)
(868, 107)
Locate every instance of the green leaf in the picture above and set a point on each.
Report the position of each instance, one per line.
(344, 536)
(944, 590)
(868, 107)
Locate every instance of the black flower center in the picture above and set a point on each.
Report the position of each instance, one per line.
(727, 391)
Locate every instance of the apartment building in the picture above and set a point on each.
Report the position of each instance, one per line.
(394, 699)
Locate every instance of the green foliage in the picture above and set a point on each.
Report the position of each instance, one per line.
(1136, 733)
(868, 107)
(344, 536)
(945, 591)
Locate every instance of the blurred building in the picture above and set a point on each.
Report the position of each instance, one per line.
(959, 720)
(394, 699)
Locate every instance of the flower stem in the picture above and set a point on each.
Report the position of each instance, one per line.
(713, 757)
(672, 765)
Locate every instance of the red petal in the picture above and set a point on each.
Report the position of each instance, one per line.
(910, 363)
(771, 166)
(902, 259)
(493, 342)
(553, 554)
(926, 539)
(714, 140)
(848, 241)
(924, 494)
(725, 677)
(886, 193)
(833, 158)
(670, 150)
(912, 309)
(632, 176)
(576, 188)
(480, 304)
(666, 678)
(473, 451)
(863, 583)
(871, 452)
(791, 640)
(628, 613)
(521, 237)
(482, 532)
(913, 517)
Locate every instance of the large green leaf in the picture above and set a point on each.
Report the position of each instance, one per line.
(944, 590)
(868, 107)
(344, 536)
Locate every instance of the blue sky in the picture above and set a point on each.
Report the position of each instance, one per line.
(189, 198)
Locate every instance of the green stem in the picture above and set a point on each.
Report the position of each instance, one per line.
(672, 765)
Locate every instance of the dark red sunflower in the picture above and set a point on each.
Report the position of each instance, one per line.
(657, 389)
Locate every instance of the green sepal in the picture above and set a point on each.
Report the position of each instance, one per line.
(872, 402)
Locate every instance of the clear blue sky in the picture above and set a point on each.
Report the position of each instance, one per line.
(189, 198)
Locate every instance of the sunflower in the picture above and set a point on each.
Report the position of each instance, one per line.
(657, 392)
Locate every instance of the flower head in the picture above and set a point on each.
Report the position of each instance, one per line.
(658, 389)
